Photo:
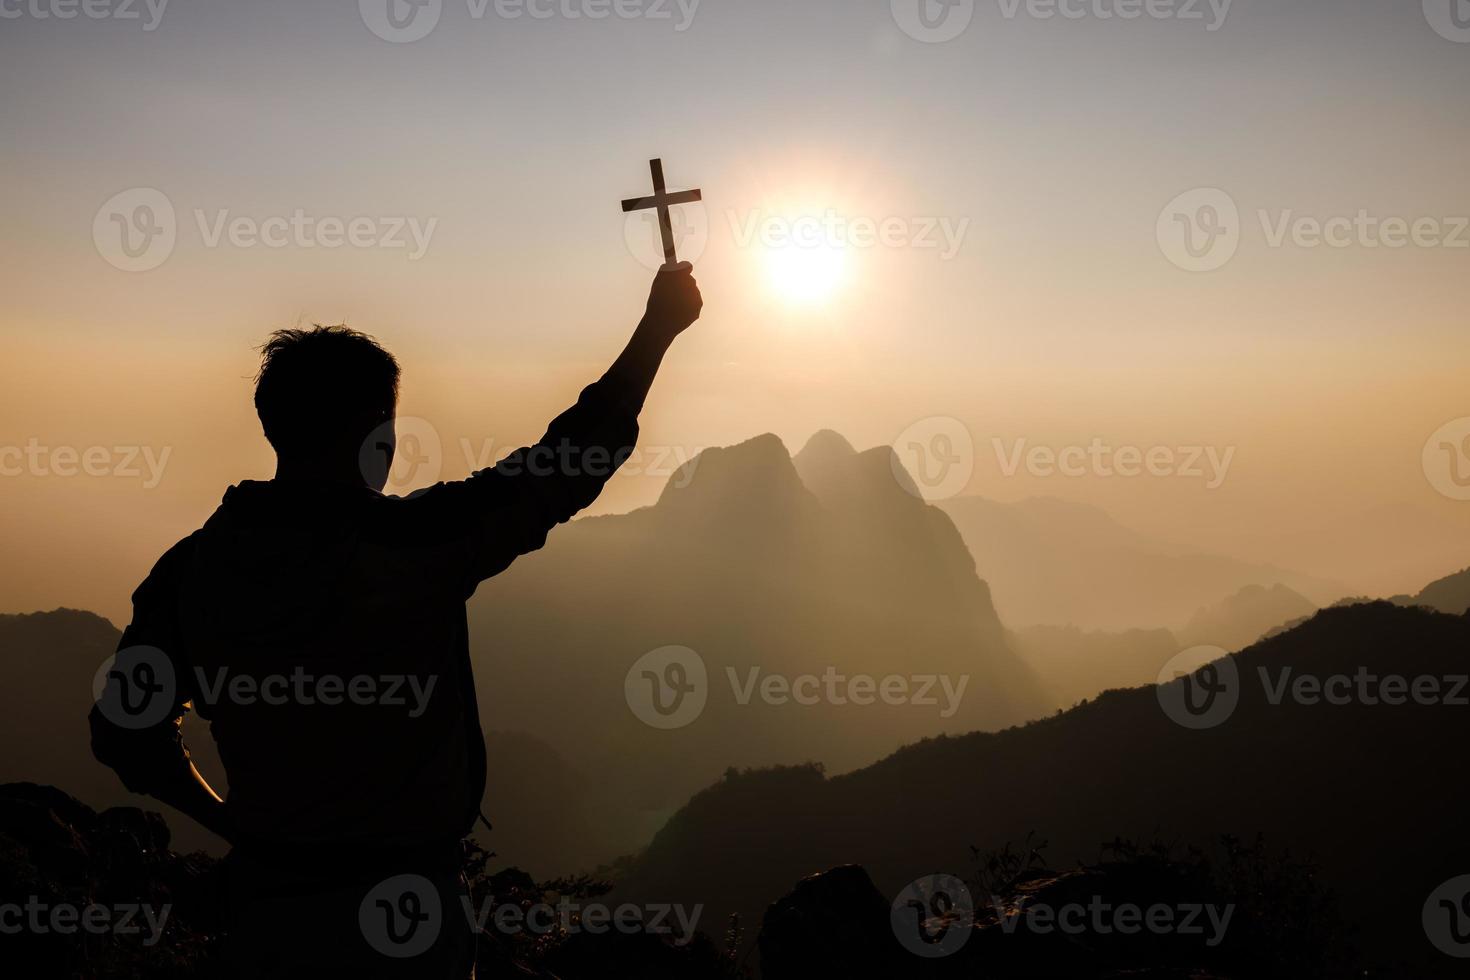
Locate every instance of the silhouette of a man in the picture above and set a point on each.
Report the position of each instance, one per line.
(319, 626)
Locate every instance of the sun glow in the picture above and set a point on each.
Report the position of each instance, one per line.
(806, 274)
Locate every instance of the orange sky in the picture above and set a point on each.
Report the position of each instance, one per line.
(1016, 175)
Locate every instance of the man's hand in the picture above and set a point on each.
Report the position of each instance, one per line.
(674, 302)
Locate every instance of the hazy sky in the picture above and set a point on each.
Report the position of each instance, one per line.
(1024, 280)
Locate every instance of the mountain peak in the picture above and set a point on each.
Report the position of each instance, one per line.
(825, 444)
(757, 469)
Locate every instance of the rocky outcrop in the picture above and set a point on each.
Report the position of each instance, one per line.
(99, 894)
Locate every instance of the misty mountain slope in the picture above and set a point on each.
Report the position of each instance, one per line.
(1074, 665)
(1450, 594)
(744, 564)
(1243, 618)
(1368, 790)
(1390, 547)
(881, 513)
(49, 660)
(1053, 562)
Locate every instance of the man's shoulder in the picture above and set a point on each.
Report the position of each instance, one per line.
(171, 566)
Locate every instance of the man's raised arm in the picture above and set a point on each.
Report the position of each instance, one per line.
(507, 510)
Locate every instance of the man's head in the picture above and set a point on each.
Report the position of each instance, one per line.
(320, 394)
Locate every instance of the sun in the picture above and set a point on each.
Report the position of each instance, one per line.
(806, 274)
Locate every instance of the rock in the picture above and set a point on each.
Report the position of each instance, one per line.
(834, 924)
(58, 853)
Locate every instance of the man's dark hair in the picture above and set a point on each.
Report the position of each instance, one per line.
(323, 388)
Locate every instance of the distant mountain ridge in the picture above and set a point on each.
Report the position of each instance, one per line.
(1450, 594)
(1363, 789)
(1058, 563)
(762, 565)
(758, 561)
(1245, 616)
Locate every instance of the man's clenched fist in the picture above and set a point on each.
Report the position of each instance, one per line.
(674, 302)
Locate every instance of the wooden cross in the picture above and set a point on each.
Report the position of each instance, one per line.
(662, 200)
